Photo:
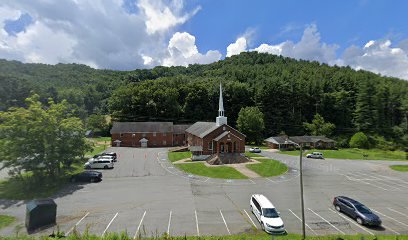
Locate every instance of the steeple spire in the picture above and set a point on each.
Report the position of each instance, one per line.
(221, 104)
(221, 119)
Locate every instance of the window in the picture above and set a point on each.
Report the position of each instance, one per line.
(121, 134)
(164, 142)
(210, 146)
(154, 134)
(144, 135)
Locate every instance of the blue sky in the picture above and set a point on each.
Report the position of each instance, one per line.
(129, 34)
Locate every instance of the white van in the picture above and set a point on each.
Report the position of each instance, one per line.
(318, 155)
(99, 163)
(266, 214)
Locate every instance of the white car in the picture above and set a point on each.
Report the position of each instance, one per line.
(315, 155)
(266, 214)
(99, 163)
(254, 150)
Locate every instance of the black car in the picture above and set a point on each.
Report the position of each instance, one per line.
(87, 176)
(112, 154)
(356, 210)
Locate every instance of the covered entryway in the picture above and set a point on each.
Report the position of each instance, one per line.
(143, 142)
(117, 143)
(227, 142)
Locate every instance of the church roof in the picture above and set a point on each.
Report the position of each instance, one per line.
(160, 127)
(201, 129)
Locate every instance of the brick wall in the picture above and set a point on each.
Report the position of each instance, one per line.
(155, 139)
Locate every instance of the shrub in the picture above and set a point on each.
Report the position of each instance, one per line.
(359, 140)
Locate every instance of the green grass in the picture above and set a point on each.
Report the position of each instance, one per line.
(401, 168)
(175, 156)
(6, 220)
(99, 145)
(268, 167)
(250, 155)
(355, 154)
(213, 172)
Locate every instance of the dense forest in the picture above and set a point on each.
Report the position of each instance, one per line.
(289, 93)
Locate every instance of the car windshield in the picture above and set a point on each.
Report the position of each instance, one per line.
(363, 209)
(270, 213)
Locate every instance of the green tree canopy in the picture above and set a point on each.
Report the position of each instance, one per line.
(319, 127)
(359, 140)
(41, 140)
(250, 122)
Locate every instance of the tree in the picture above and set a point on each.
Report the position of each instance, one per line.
(359, 140)
(98, 124)
(319, 127)
(41, 140)
(250, 122)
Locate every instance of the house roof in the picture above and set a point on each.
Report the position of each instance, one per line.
(313, 139)
(279, 140)
(180, 128)
(160, 127)
(201, 129)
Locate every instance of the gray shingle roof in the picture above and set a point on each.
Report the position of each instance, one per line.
(201, 129)
(159, 127)
(279, 140)
(313, 139)
(180, 128)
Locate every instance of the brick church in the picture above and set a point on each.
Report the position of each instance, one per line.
(208, 138)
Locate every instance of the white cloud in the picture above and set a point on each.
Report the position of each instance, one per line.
(379, 57)
(183, 51)
(99, 33)
(240, 45)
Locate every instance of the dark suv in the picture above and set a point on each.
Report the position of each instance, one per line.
(356, 210)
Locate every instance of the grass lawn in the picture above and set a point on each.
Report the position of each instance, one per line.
(175, 156)
(6, 220)
(355, 154)
(99, 145)
(213, 172)
(251, 155)
(268, 167)
(401, 168)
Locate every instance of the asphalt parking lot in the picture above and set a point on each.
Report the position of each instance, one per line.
(145, 195)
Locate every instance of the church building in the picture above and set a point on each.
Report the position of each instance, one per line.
(208, 138)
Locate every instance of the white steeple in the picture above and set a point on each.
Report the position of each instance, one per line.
(221, 119)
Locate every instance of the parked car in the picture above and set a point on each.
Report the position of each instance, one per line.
(113, 154)
(318, 155)
(356, 210)
(99, 163)
(87, 176)
(254, 150)
(266, 214)
(108, 157)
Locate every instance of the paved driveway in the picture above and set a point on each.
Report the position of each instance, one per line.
(145, 195)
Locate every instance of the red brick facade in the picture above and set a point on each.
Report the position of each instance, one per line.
(234, 142)
(154, 139)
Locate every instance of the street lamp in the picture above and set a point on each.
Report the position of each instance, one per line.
(301, 190)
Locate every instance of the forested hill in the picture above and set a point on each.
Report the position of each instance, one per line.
(288, 92)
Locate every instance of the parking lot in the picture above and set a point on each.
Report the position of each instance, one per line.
(146, 195)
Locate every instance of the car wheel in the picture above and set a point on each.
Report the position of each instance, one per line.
(359, 221)
(252, 209)
(337, 208)
(88, 167)
(105, 167)
(262, 226)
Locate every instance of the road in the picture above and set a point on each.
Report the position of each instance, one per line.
(146, 195)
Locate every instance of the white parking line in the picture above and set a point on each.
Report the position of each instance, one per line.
(251, 181)
(382, 214)
(270, 180)
(168, 227)
(76, 224)
(327, 221)
(400, 213)
(104, 231)
(388, 228)
(250, 219)
(352, 222)
(394, 179)
(384, 180)
(225, 223)
(198, 230)
(311, 229)
(138, 227)
(362, 181)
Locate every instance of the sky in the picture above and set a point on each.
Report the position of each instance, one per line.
(133, 34)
